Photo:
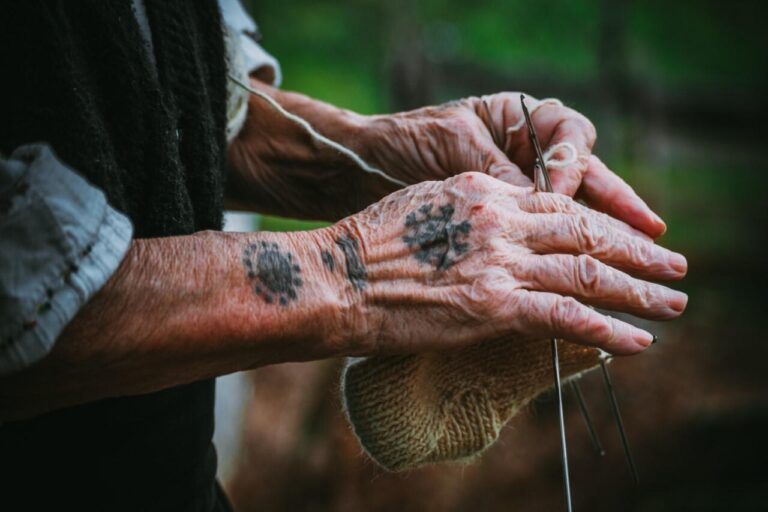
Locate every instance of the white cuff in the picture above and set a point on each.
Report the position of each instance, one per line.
(60, 241)
(244, 57)
(72, 291)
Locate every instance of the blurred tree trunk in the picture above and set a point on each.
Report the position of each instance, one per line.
(410, 72)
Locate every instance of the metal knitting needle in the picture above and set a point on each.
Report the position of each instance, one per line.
(619, 422)
(587, 419)
(574, 384)
(561, 420)
(541, 183)
(542, 170)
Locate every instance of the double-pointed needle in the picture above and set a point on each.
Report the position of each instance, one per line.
(542, 183)
(587, 418)
(619, 422)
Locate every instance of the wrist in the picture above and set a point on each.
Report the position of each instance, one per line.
(340, 125)
(293, 296)
(343, 283)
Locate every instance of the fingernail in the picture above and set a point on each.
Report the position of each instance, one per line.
(678, 263)
(676, 300)
(642, 338)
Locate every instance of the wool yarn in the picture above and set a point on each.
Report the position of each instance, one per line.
(413, 410)
(554, 149)
(321, 139)
(314, 134)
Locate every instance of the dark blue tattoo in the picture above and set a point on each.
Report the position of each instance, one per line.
(277, 276)
(439, 242)
(356, 272)
(328, 260)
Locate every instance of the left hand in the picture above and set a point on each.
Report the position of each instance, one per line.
(438, 142)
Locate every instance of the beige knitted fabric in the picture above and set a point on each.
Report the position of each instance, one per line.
(413, 410)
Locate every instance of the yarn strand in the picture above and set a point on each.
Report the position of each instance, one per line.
(318, 137)
(549, 154)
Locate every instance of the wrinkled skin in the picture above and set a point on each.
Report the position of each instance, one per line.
(439, 142)
(276, 169)
(519, 265)
(529, 261)
(530, 257)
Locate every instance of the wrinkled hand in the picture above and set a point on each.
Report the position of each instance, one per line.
(450, 263)
(438, 142)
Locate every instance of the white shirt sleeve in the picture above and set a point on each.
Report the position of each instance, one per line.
(60, 241)
(244, 57)
(254, 56)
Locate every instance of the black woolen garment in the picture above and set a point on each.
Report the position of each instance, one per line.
(78, 76)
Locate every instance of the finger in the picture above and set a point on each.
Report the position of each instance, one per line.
(500, 167)
(573, 132)
(567, 138)
(542, 202)
(590, 234)
(552, 315)
(587, 279)
(512, 121)
(603, 190)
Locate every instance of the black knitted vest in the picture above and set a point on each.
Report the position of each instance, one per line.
(77, 75)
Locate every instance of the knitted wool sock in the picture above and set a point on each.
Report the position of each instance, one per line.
(418, 409)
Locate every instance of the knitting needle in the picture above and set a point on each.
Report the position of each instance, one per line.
(541, 183)
(541, 174)
(555, 359)
(561, 420)
(619, 422)
(587, 418)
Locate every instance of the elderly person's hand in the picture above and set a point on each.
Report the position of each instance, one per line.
(277, 168)
(448, 263)
(489, 135)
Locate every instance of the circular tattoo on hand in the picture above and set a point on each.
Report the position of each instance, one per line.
(277, 276)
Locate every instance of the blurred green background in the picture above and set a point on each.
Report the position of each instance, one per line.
(676, 90)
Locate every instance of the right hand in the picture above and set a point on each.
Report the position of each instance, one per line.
(455, 262)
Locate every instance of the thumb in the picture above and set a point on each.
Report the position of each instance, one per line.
(499, 166)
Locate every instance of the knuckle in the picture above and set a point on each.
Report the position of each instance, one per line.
(588, 273)
(473, 181)
(590, 235)
(487, 292)
(644, 251)
(587, 127)
(552, 203)
(567, 314)
(537, 231)
(642, 297)
(487, 218)
(560, 203)
(603, 331)
(637, 253)
(548, 203)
